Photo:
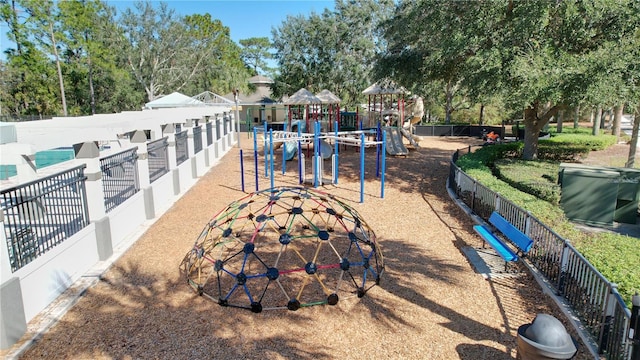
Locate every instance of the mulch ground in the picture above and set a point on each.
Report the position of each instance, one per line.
(431, 304)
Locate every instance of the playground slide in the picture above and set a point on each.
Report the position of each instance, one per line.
(291, 149)
(325, 149)
(394, 142)
(408, 135)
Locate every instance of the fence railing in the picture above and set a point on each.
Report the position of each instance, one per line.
(594, 299)
(209, 131)
(158, 158)
(182, 147)
(119, 177)
(197, 139)
(41, 214)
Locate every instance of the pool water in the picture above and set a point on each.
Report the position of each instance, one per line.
(43, 159)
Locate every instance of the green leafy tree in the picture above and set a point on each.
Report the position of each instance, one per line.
(333, 50)
(44, 27)
(540, 56)
(255, 53)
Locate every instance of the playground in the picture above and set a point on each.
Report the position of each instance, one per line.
(430, 303)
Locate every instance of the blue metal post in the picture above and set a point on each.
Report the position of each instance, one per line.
(362, 167)
(335, 146)
(384, 164)
(299, 155)
(255, 154)
(266, 172)
(271, 154)
(242, 169)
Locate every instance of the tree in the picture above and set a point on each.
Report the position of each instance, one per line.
(539, 56)
(43, 23)
(333, 50)
(166, 52)
(255, 52)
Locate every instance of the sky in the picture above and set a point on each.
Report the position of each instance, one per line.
(245, 19)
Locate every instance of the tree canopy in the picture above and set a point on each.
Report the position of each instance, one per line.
(539, 56)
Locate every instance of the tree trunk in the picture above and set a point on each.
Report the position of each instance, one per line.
(576, 118)
(533, 123)
(560, 120)
(631, 159)
(595, 129)
(481, 114)
(448, 105)
(617, 119)
(54, 48)
(92, 94)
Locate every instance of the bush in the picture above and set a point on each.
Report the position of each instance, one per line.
(538, 178)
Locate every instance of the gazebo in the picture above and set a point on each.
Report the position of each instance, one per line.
(332, 103)
(298, 105)
(384, 94)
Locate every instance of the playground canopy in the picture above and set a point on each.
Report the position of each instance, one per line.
(385, 87)
(302, 97)
(327, 97)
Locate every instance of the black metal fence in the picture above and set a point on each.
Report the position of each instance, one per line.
(197, 139)
(158, 157)
(119, 177)
(41, 214)
(182, 147)
(209, 131)
(593, 298)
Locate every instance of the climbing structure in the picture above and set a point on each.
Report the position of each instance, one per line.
(285, 247)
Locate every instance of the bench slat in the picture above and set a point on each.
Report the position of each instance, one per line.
(516, 236)
(497, 244)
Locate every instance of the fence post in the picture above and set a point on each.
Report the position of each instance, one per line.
(562, 277)
(139, 138)
(497, 203)
(169, 130)
(634, 327)
(609, 312)
(190, 125)
(89, 153)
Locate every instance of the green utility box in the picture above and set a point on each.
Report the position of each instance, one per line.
(599, 195)
(588, 194)
(628, 196)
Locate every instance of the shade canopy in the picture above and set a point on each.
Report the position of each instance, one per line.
(175, 99)
(302, 97)
(384, 87)
(327, 97)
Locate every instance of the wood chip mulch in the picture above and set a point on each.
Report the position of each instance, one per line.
(431, 304)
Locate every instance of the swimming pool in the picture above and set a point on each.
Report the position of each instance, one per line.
(43, 159)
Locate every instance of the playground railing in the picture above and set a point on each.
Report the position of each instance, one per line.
(197, 139)
(594, 300)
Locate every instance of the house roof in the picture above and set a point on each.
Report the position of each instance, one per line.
(174, 99)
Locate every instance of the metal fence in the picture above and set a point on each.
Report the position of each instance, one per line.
(119, 177)
(182, 147)
(197, 139)
(43, 213)
(209, 131)
(594, 299)
(158, 157)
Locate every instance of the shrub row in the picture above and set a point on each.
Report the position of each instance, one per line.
(615, 256)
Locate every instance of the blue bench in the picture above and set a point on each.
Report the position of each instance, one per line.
(521, 241)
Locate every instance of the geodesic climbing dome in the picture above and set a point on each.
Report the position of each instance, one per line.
(283, 248)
